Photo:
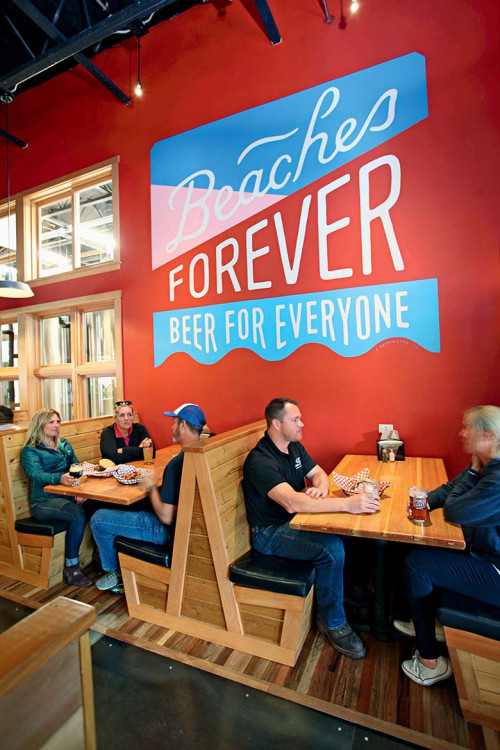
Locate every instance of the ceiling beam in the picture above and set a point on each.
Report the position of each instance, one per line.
(53, 33)
(268, 21)
(71, 47)
(12, 138)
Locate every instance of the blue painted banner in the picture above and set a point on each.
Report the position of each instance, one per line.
(350, 322)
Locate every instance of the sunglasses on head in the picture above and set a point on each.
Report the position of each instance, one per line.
(123, 403)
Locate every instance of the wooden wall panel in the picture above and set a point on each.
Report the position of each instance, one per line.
(152, 593)
(262, 627)
(203, 611)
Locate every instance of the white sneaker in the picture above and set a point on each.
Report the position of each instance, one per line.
(408, 628)
(422, 675)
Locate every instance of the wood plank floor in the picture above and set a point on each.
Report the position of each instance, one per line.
(371, 692)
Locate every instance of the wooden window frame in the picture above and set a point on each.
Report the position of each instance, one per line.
(26, 206)
(30, 371)
(11, 373)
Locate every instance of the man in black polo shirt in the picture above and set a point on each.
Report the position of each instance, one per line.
(274, 487)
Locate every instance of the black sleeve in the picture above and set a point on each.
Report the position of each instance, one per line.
(171, 483)
(463, 481)
(308, 463)
(110, 444)
(132, 452)
(264, 473)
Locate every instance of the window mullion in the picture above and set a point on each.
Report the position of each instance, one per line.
(77, 250)
(29, 351)
(77, 358)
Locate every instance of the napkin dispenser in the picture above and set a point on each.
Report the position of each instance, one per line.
(390, 447)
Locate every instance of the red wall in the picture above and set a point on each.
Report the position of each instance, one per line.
(200, 67)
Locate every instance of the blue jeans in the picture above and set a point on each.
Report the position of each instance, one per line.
(63, 509)
(428, 569)
(108, 524)
(325, 551)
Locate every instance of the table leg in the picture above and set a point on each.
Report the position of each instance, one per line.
(380, 625)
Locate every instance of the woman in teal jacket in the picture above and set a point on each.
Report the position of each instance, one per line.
(46, 459)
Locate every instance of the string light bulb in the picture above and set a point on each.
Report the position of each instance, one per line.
(138, 86)
(354, 6)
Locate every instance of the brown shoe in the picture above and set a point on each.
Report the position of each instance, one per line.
(73, 576)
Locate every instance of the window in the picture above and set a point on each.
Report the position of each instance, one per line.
(8, 365)
(68, 228)
(70, 356)
(76, 230)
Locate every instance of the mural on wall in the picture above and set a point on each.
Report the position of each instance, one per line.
(209, 182)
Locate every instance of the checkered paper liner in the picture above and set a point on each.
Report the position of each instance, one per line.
(124, 470)
(91, 470)
(348, 484)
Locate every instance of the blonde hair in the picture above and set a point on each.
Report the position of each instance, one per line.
(120, 404)
(36, 433)
(485, 418)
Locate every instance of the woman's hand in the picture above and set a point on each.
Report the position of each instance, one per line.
(146, 443)
(80, 500)
(67, 480)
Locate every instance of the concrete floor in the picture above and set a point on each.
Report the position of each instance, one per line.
(146, 700)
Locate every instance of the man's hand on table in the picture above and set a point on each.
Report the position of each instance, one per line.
(362, 503)
(148, 483)
(316, 492)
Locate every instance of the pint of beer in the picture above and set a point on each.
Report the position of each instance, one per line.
(417, 504)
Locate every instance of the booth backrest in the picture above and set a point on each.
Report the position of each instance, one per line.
(20, 418)
(83, 434)
(46, 689)
(473, 643)
(219, 460)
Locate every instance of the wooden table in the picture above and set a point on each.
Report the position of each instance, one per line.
(390, 523)
(108, 489)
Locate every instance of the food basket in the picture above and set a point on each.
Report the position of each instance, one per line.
(92, 470)
(354, 485)
(129, 474)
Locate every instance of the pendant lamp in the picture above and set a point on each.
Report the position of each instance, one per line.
(10, 287)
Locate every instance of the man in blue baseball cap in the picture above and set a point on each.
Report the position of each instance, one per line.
(189, 413)
(157, 525)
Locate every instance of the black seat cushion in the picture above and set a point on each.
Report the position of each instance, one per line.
(32, 525)
(481, 625)
(278, 574)
(158, 554)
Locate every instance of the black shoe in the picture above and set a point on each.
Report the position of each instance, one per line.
(73, 576)
(344, 640)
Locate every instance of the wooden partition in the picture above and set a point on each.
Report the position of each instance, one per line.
(46, 690)
(196, 596)
(20, 418)
(33, 558)
(476, 667)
